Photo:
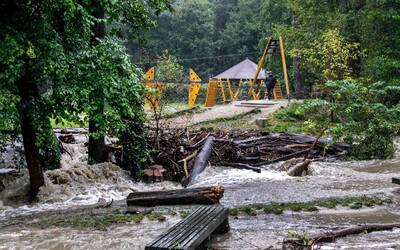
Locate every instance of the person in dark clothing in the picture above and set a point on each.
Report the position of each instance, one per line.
(270, 81)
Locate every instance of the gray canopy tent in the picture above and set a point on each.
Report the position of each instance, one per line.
(246, 69)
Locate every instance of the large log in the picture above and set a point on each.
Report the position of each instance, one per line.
(200, 162)
(204, 195)
(330, 236)
(298, 169)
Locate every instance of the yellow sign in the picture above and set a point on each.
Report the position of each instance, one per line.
(194, 77)
(150, 74)
(193, 92)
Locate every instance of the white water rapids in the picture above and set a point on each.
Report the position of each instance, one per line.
(77, 184)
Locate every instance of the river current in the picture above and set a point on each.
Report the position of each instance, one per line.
(76, 184)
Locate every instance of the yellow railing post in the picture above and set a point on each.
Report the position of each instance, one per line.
(285, 75)
(221, 84)
(260, 64)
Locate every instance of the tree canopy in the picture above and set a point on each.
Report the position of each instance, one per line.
(61, 58)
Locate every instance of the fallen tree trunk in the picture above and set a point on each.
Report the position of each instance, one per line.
(204, 195)
(298, 169)
(200, 162)
(330, 236)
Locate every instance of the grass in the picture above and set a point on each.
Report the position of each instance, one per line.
(99, 220)
(356, 202)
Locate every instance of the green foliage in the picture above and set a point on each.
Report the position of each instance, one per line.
(329, 57)
(366, 123)
(156, 216)
(168, 69)
(208, 36)
(55, 66)
(308, 117)
(303, 236)
(184, 214)
(136, 152)
(233, 211)
(354, 114)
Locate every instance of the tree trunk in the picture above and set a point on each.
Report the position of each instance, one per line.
(299, 80)
(331, 236)
(201, 161)
(96, 97)
(204, 195)
(300, 89)
(28, 91)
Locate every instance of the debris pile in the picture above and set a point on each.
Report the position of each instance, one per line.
(249, 149)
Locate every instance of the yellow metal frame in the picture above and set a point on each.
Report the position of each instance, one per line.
(261, 63)
(212, 91)
(236, 96)
(221, 85)
(285, 75)
(194, 88)
(230, 89)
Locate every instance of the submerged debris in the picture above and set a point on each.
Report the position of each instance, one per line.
(248, 149)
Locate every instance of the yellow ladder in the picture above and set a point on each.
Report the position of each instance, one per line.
(273, 46)
(278, 91)
(211, 93)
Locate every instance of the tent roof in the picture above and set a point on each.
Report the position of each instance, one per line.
(244, 70)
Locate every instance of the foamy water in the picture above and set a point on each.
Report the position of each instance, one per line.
(77, 183)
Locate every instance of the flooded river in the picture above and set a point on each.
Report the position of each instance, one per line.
(77, 185)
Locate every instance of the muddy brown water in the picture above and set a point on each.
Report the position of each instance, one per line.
(80, 185)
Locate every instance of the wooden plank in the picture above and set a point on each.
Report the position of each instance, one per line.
(193, 230)
(396, 180)
(201, 221)
(204, 230)
(172, 236)
(183, 230)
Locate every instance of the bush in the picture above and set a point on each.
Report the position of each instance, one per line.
(365, 116)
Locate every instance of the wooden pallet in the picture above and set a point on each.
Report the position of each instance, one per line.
(192, 231)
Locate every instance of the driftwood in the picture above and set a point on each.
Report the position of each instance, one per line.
(298, 169)
(200, 162)
(204, 195)
(247, 149)
(185, 163)
(201, 141)
(315, 142)
(330, 236)
(68, 138)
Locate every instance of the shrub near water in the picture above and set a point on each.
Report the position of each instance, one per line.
(353, 113)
